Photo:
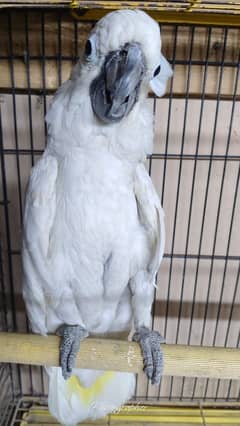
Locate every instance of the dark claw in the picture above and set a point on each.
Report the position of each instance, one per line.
(71, 335)
(152, 354)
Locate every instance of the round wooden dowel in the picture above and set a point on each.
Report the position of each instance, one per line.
(117, 355)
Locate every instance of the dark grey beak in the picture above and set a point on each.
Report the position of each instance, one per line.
(115, 91)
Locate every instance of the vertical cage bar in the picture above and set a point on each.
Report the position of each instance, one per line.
(166, 148)
(166, 158)
(13, 326)
(192, 196)
(169, 116)
(208, 181)
(229, 324)
(76, 57)
(43, 58)
(13, 90)
(4, 368)
(44, 94)
(3, 300)
(27, 62)
(179, 179)
(59, 48)
(155, 290)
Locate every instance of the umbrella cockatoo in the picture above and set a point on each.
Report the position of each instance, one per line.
(93, 233)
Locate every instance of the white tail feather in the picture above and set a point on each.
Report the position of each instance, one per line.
(70, 402)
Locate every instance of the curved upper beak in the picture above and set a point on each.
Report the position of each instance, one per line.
(115, 90)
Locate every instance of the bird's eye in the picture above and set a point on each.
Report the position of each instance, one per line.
(157, 71)
(88, 48)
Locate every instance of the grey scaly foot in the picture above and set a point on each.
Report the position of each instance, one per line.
(152, 353)
(71, 335)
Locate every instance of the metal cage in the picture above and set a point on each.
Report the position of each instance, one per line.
(195, 167)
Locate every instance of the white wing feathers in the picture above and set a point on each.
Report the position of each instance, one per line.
(40, 206)
(151, 215)
(152, 219)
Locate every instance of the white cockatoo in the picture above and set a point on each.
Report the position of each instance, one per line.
(93, 232)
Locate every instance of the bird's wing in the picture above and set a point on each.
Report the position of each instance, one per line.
(151, 216)
(40, 207)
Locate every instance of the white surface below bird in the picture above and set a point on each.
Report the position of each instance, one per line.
(93, 233)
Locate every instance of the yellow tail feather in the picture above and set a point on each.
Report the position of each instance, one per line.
(74, 386)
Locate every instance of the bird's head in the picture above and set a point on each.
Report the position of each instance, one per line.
(123, 61)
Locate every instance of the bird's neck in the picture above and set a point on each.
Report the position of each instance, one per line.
(72, 124)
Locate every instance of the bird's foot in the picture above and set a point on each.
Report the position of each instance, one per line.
(152, 353)
(71, 336)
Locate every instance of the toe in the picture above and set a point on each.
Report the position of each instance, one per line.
(147, 358)
(64, 361)
(145, 345)
(70, 345)
(152, 354)
(157, 365)
(72, 354)
(148, 370)
(65, 352)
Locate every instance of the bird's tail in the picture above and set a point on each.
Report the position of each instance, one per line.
(87, 394)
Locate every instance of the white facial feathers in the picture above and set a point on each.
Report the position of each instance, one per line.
(158, 83)
(132, 26)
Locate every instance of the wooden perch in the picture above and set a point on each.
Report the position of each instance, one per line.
(117, 355)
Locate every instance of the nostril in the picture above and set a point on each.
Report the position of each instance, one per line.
(123, 53)
(126, 99)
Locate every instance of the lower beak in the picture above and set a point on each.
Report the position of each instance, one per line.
(115, 91)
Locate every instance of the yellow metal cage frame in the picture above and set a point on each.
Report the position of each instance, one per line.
(210, 12)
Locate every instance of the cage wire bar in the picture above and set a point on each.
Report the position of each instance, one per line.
(192, 164)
